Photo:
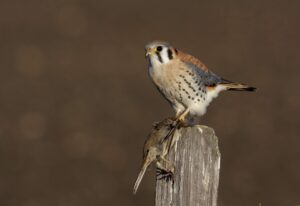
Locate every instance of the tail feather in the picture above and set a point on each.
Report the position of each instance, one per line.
(146, 162)
(237, 86)
(139, 179)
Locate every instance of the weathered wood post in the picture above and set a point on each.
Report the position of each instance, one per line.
(197, 159)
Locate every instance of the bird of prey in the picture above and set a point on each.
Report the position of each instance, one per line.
(185, 81)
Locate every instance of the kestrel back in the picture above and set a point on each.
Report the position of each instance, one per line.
(184, 80)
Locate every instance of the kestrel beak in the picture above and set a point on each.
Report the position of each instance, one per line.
(149, 51)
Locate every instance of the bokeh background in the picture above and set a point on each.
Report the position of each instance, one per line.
(77, 102)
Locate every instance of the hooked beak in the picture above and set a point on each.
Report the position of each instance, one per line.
(149, 51)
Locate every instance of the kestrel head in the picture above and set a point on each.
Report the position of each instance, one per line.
(159, 52)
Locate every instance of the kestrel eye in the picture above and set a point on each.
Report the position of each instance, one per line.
(159, 48)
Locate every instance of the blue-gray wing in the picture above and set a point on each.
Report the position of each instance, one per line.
(208, 78)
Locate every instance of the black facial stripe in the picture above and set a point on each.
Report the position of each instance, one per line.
(170, 54)
(159, 57)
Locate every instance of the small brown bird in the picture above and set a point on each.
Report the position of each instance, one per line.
(156, 148)
(185, 81)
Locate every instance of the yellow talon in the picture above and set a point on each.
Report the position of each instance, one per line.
(182, 116)
(181, 119)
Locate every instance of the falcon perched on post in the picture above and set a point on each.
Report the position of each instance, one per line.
(185, 81)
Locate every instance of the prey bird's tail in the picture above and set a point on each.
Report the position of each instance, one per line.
(146, 163)
(232, 86)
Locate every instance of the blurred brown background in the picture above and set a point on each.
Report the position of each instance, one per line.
(77, 104)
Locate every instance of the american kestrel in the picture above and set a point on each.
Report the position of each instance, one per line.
(185, 81)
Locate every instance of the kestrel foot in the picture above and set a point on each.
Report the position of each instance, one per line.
(180, 121)
(181, 117)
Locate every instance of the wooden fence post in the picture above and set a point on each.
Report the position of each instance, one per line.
(197, 160)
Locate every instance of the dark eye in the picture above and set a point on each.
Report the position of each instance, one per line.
(159, 48)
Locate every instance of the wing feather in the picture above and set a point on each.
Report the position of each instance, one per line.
(187, 58)
(207, 77)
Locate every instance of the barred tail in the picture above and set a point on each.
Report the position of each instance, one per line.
(237, 86)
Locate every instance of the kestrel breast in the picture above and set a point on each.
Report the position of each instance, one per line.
(190, 90)
(183, 87)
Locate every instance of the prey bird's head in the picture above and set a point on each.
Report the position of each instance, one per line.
(159, 52)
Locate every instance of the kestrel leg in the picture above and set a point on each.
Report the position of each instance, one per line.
(181, 117)
(179, 120)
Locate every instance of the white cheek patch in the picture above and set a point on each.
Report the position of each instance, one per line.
(164, 55)
(160, 58)
(154, 62)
